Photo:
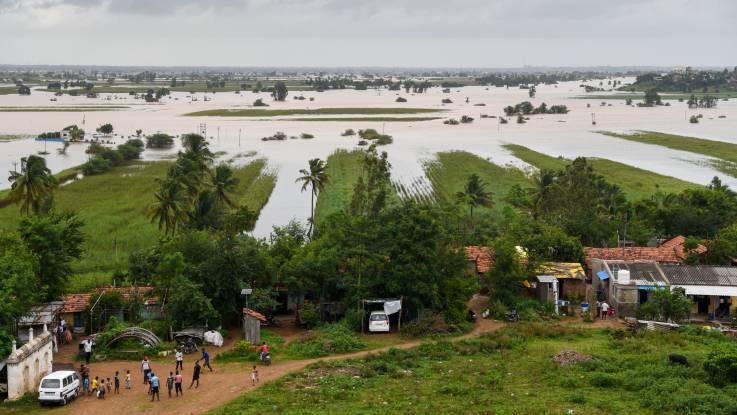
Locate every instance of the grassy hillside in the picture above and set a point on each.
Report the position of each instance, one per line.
(510, 372)
(449, 173)
(635, 182)
(258, 112)
(114, 207)
(727, 152)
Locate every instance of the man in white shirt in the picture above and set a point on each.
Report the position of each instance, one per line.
(180, 360)
(87, 344)
(604, 310)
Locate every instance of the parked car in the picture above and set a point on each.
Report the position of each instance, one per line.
(59, 387)
(378, 322)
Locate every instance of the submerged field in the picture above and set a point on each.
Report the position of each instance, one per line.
(635, 182)
(726, 153)
(257, 112)
(511, 371)
(114, 207)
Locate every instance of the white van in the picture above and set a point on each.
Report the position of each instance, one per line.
(378, 322)
(59, 387)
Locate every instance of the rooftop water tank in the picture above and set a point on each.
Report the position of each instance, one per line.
(623, 276)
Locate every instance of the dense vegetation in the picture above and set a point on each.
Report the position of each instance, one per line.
(688, 80)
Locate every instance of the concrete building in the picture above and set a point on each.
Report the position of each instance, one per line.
(28, 364)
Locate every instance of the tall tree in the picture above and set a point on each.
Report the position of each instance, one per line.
(56, 239)
(33, 187)
(474, 193)
(223, 183)
(171, 206)
(315, 178)
(280, 91)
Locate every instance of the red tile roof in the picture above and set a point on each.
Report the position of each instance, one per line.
(74, 303)
(669, 252)
(482, 256)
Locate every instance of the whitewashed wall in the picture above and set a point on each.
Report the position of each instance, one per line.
(28, 364)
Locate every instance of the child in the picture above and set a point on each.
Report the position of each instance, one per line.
(178, 384)
(117, 383)
(86, 385)
(94, 385)
(170, 382)
(127, 379)
(254, 375)
(101, 389)
(109, 385)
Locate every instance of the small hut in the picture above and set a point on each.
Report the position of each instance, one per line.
(252, 325)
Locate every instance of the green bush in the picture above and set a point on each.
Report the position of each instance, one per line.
(309, 315)
(334, 338)
(721, 367)
(602, 380)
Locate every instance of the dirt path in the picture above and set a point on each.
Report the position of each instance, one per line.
(225, 384)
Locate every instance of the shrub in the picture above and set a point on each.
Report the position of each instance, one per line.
(721, 367)
(428, 323)
(309, 315)
(466, 119)
(333, 338)
(306, 136)
(520, 119)
(400, 99)
(451, 121)
(159, 140)
(447, 101)
(96, 165)
(694, 119)
(502, 120)
(348, 133)
(259, 102)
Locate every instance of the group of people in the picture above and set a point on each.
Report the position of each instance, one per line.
(604, 311)
(175, 378)
(100, 386)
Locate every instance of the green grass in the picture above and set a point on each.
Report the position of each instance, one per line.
(365, 119)
(258, 112)
(9, 90)
(639, 96)
(449, 174)
(343, 170)
(12, 137)
(726, 153)
(508, 372)
(59, 109)
(114, 207)
(635, 182)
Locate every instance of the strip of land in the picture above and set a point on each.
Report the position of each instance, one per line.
(258, 112)
(635, 182)
(635, 96)
(364, 119)
(114, 207)
(188, 87)
(725, 153)
(449, 173)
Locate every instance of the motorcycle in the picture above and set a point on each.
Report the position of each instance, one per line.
(513, 316)
(189, 346)
(266, 358)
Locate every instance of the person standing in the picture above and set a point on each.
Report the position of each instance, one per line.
(206, 359)
(178, 384)
(170, 383)
(254, 375)
(598, 309)
(117, 382)
(180, 360)
(195, 375)
(154, 387)
(146, 368)
(604, 310)
(87, 347)
(127, 379)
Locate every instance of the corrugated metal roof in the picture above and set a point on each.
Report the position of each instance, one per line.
(700, 275)
(41, 314)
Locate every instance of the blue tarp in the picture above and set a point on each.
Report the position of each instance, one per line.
(602, 275)
(647, 287)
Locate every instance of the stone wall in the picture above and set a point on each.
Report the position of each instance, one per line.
(28, 364)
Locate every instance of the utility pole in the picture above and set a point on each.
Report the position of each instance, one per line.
(239, 138)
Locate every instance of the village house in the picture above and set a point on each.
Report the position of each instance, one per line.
(713, 289)
(77, 306)
(625, 284)
(560, 280)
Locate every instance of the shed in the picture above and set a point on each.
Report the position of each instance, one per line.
(712, 288)
(626, 284)
(252, 325)
(41, 315)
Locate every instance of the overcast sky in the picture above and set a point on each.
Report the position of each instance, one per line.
(408, 33)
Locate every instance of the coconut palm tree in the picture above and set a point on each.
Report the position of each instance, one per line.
(315, 178)
(539, 193)
(196, 148)
(171, 206)
(223, 183)
(474, 193)
(33, 187)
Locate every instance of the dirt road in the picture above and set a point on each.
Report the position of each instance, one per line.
(227, 382)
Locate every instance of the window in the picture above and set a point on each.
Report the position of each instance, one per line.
(78, 320)
(378, 317)
(51, 383)
(66, 382)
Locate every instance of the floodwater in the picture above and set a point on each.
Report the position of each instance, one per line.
(567, 135)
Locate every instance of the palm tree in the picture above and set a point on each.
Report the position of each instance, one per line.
(33, 187)
(197, 149)
(539, 193)
(316, 178)
(171, 206)
(475, 194)
(223, 183)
